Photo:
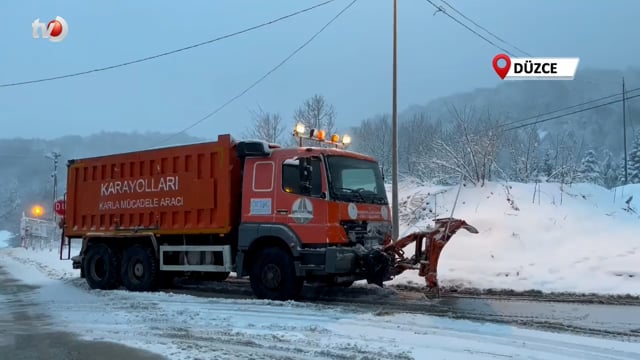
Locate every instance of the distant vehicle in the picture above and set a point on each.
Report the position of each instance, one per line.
(37, 233)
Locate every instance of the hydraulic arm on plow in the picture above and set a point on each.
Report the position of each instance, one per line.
(428, 246)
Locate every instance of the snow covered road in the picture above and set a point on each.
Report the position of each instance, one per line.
(189, 327)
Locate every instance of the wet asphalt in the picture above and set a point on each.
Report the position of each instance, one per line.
(26, 332)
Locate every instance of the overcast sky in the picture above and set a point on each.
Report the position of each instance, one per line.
(349, 63)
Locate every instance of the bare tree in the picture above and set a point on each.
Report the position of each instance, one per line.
(317, 113)
(373, 137)
(416, 148)
(266, 126)
(565, 156)
(469, 148)
(524, 149)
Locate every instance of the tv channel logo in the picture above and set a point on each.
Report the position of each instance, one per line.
(55, 30)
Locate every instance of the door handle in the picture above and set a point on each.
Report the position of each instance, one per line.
(282, 211)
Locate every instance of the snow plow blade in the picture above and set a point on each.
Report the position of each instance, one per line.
(428, 246)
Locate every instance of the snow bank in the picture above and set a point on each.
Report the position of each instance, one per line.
(581, 238)
(44, 265)
(4, 238)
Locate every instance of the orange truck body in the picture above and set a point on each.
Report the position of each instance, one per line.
(281, 216)
(179, 190)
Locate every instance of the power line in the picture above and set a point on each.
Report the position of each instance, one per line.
(261, 78)
(485, 29)
(565, 108)
(571, 113)
(168, 52)
(444, 11)
(22, 155)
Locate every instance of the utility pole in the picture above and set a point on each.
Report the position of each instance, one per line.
(54, 156)
(394, 177)
(624, 131)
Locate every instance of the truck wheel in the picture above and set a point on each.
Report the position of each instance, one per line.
(100, 267)
(273, 277)
(139, 270)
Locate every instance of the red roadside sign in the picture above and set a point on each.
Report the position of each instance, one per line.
(59, 207)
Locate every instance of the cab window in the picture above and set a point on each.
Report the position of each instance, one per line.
(291, 176)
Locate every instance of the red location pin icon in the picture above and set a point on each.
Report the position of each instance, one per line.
(502, 71)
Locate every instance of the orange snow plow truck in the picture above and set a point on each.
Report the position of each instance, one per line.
(281, 216)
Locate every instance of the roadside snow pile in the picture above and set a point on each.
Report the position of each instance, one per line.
(4, 238)
(46, 262)
(581, 238)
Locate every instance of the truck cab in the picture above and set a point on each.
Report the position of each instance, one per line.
(310, 213)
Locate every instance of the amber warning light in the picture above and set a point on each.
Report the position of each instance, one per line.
(509, 68)
(37, 211)
(320, 135)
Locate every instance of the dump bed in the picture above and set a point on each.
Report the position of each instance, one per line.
(186, 189)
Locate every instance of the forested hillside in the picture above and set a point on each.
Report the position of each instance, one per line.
(459, 136)
(26, 170)
(481, 134)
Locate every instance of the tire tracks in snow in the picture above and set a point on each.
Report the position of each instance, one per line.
(208, 312)
(180, 324)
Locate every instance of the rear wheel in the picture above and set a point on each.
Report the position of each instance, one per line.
(139, 270)
(100, 267)
(273, 277)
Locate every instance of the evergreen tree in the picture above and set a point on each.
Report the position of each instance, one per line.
(589, 170)
(609, 170)
(621, 178)
(634, 161)
(547, 164)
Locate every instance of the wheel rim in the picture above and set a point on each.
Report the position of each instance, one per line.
(138, 270)
(271, 276)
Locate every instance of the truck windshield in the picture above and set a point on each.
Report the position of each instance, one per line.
(356, 180)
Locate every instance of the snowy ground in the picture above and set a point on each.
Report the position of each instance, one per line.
(4, 238)
(188, 327)
(580, 239)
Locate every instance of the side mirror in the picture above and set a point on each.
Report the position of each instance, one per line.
(382, 172)
(306, 175)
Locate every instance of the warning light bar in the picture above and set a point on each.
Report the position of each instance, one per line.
(320, 136)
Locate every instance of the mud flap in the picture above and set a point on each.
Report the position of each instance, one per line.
(76, 263)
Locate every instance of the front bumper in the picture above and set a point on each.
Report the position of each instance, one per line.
(358, 262)
(340, 260)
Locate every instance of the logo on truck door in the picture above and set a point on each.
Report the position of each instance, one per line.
(302, 211)
(353, 211)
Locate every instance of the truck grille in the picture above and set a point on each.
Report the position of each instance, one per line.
(370, 234)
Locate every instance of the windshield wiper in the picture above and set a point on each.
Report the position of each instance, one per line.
(350, 191)
(371, 196)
